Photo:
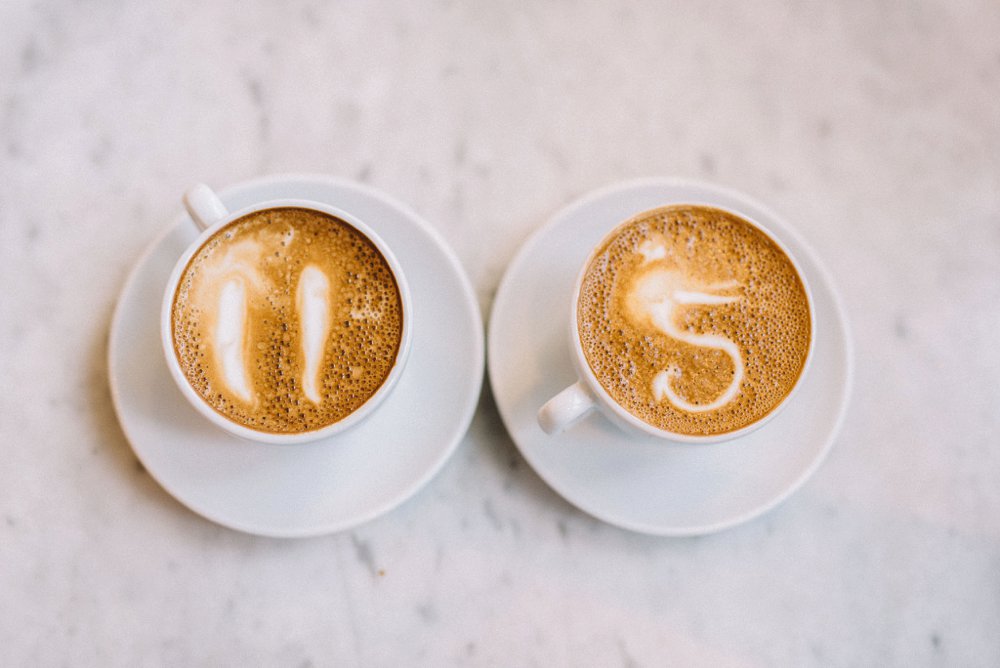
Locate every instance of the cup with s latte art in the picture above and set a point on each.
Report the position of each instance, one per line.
(690, 323)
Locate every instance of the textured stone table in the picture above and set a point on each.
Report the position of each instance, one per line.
(874, 127)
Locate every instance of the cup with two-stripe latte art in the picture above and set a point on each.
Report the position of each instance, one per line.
(690, 323)
(286, 323)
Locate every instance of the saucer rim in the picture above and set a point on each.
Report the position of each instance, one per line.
(823, 276)
(470, 308)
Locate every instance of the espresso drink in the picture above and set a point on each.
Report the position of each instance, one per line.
(287, 320)
(694, 320)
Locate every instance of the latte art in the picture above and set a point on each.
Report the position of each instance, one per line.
(655, 296)
(287, 320)
(694, 320)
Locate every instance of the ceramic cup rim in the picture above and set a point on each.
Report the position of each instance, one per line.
(360, 413)
(615, 411)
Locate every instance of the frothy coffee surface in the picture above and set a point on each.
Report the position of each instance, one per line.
(694, 320)
(287, 320)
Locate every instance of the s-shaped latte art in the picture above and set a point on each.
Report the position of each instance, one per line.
(655, 295)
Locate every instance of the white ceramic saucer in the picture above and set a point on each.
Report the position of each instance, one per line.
(335, 483)
(640, 483)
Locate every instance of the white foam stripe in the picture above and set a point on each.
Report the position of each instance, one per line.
(313, 303)
(685, 297)
(228, 338)
(651, 251)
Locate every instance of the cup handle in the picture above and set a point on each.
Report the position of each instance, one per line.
(563, 410)
(204, 206)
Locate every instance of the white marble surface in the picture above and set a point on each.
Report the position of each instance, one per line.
(874, 126)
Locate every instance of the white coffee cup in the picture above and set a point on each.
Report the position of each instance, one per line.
(587, 394)
(210, 215)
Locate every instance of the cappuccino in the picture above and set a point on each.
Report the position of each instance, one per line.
(287, 320)
(694, 320)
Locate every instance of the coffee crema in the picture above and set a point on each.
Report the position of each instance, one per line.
(287, 320)
(694, 320)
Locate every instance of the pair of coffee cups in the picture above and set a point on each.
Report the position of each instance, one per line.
(562, 411)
